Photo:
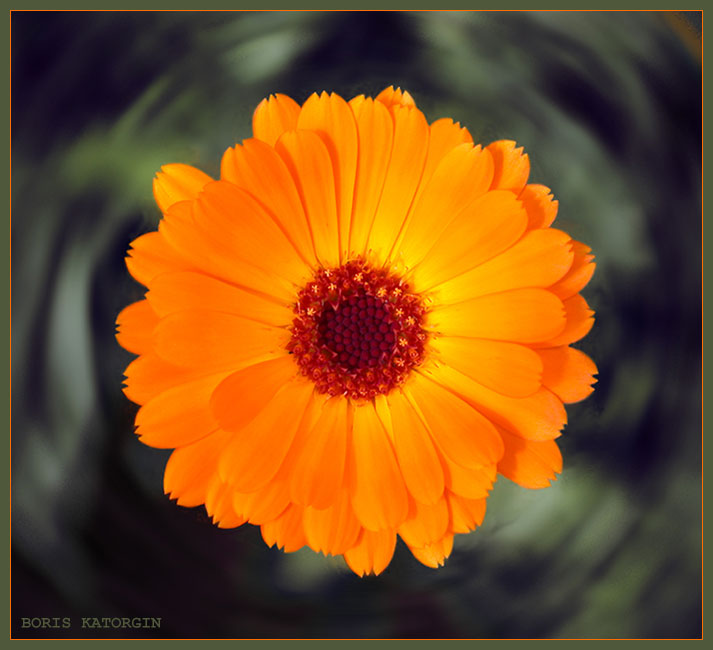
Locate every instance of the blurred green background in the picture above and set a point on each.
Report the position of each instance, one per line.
(608, 105)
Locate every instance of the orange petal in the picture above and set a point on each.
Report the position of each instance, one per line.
(568, 373)
(273, 116)
(208, 251)
(470, 483)
(580, 319)
(512, 166)
(520, 315)
(256, 453)
(135, 326)
(318, 470)
(466, 514)
(190, 469)
(332, 118)
(383, 412)
(372, 553)
(538, 259)
(219, 505)
(253, 238)
(531, 464)
(540, 206)
(403, 176)
(376, 135)
(395, 97)
(463, 434)
(178, 182)
(310, 165)
(506, 368)
(149, 375)
(415, 452)
(287, 531)
(257, 168)
(434, 555)
(541, 416)
(579, 274)
(184, 290)
(241, 396)
(263, 505)
(485, 228)
(270, 501)
(377, 488)
(150, 255)
(216, 340)
(333, 530)
(445, 135)
(356, 102)
(426, 524)
(180, 415)
(460, 177)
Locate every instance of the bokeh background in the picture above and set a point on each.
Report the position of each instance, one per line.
(609, 107)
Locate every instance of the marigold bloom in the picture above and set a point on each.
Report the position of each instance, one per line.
(358, 326)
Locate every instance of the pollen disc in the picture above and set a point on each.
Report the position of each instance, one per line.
(358, 330)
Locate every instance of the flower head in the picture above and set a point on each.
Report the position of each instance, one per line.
(348, 335)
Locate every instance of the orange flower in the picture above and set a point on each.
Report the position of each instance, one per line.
(351, 332)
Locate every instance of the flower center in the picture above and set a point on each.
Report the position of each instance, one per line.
(357, 330)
